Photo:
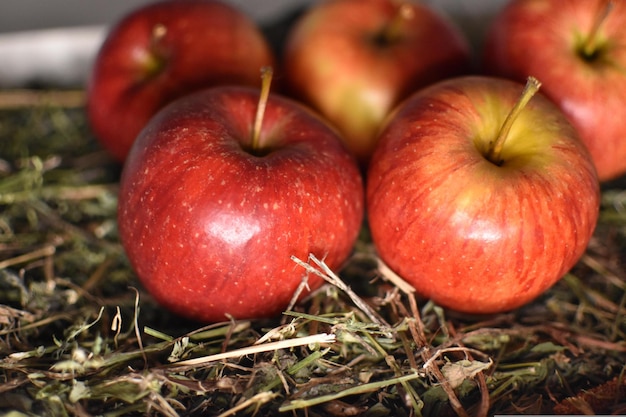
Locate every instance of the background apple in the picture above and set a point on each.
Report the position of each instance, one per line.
(210, 221)
(471, 234)
(577, 48)
(162, 51)
(353, 60)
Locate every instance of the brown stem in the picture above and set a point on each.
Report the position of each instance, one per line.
(590, 45)
(495, 148)
(158, 32)
(157, 56)
(266, 81)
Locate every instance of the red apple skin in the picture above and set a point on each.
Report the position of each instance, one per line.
(543, 38)
(333, 62)
(137, 70)
(468, 234)
(210, 227)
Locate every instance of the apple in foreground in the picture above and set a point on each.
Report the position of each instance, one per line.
(162, 51)
(210, 217)
(481, 207)
(354, 60)
(577, 48)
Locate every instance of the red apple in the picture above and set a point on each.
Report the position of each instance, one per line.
(162, 51)
(476, 227)
(209, 221)
(354, 60)
(577, 48)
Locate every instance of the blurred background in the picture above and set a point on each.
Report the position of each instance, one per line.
(37, 14)
(53, 41)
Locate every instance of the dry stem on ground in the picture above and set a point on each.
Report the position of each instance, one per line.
(80, 337)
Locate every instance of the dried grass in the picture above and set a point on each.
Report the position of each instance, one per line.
(80, 337)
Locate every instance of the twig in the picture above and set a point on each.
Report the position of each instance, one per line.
(322, 338)
(360, 389)
(257, 400)
(328, 275)
(428, 364)
(19, 99)
(136, 326)
(394, 278)
(44, 252)
(485, 400)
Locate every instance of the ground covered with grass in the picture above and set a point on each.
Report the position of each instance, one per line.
(80, 337)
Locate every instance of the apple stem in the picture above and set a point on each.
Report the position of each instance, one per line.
(590, 45)
(266, 81)
(156, 58)
(158, 32)
(495, 148)
(393, 28)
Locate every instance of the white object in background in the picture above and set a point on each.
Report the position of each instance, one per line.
(32, 52)
(62, 57)
(59, 57)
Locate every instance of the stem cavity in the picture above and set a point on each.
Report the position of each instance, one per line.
(590, 46)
